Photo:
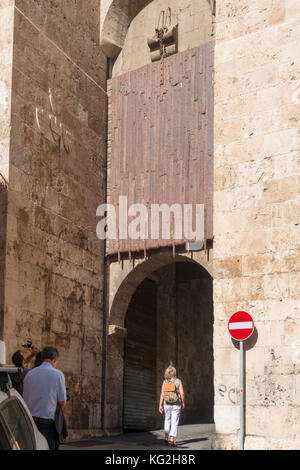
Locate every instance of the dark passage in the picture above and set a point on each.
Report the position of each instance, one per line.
(140, 360)
(170, 319)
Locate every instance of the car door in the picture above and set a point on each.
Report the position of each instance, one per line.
(16, 429)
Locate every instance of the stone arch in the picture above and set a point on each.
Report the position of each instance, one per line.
(116, 16)
(125, 284)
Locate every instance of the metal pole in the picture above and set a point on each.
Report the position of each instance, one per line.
(241, 396)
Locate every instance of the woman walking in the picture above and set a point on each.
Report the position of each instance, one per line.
(171, 403)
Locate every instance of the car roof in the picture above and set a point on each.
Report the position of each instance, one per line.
(3, 396)
(12, 394)
(40, 439)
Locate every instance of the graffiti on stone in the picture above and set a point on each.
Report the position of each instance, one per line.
(229, 393)
(3, 182)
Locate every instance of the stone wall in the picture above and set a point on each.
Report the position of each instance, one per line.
(195, 22)
(52, 152)
(257, 215)
(54, 266)
(6, 55)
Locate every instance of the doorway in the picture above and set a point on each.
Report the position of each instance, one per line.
(169, 320)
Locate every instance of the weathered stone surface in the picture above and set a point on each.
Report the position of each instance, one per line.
(52, 155)
(6, 60)
(257, 214)
(54, 267)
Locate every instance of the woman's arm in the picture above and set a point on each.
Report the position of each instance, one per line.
(160, 407)
(181, 391)
(31, 355)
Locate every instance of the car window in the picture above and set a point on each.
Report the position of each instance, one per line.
(4, 441)
(19, 425)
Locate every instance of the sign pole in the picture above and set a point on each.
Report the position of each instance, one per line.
(241, 327)
(241, 395)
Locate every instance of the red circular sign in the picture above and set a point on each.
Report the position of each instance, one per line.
(241, 326)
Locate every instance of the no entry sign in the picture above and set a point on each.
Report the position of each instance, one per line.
(241, 326)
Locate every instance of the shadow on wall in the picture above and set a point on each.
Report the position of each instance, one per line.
(195, 356)
(3, 219)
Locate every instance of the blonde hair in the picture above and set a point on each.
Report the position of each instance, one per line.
(170, 373)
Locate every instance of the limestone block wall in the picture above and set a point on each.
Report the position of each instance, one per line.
(54, 263)
(257, 217)
(6, 48)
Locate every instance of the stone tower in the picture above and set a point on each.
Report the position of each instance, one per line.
(117, 311)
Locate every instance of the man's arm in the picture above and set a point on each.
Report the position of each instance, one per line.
(62, 393)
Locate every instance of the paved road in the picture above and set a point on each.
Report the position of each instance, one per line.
(190, 437)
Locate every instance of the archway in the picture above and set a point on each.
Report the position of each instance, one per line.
(116, 16)
(121, 30)
(124, 25)
(162, 312)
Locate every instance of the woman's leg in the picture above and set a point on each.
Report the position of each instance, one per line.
(167, 427)
(175, 415)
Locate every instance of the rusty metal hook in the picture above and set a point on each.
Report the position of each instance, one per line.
(162, 23)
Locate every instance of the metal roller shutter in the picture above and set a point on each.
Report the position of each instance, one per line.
(140, 401)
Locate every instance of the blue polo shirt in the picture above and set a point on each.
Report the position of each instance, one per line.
(43, 388)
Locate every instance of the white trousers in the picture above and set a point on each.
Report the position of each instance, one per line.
(172, 415)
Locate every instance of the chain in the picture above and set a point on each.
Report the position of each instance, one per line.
(161, 30)
(162, 48)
